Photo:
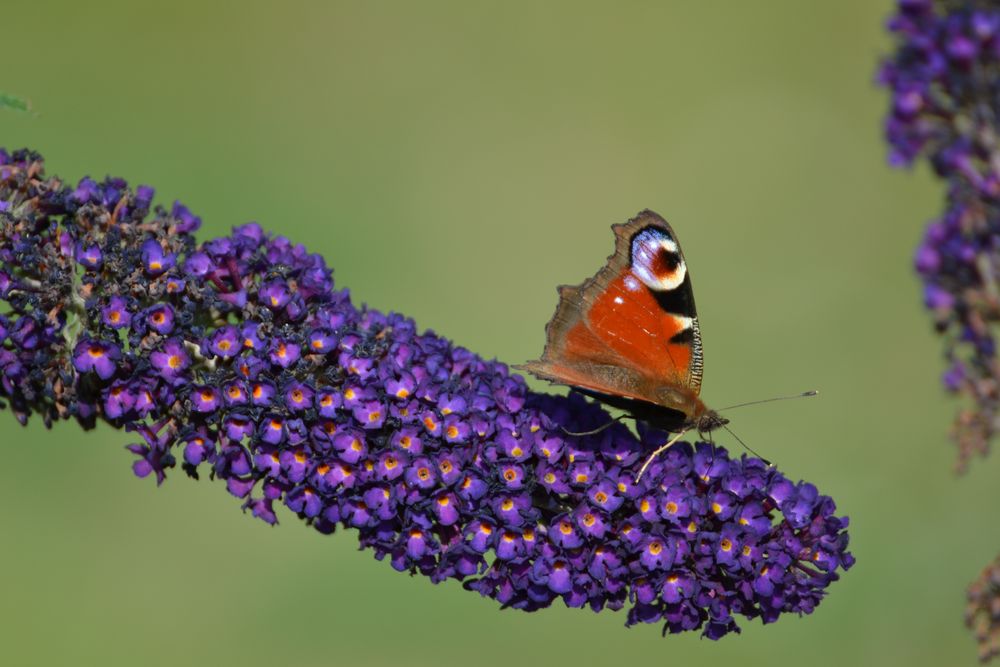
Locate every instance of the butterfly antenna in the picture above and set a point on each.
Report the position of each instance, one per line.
(597, 430)
(804, 394)
(746, 446)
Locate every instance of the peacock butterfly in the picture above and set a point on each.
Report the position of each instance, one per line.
(629, 335)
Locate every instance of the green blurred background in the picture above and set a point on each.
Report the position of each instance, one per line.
(456, 161)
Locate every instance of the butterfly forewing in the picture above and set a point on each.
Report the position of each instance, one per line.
(632, 329)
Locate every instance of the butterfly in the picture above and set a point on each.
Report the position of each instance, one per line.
(629, 336)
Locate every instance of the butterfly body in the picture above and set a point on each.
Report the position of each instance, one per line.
(629, 336)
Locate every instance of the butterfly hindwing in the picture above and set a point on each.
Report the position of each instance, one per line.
(630, 331)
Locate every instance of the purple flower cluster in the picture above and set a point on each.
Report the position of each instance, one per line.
(945, 82)
(239, 358)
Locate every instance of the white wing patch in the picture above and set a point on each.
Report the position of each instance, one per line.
(683, 323)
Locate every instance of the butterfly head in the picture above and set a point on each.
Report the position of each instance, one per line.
(709, 421)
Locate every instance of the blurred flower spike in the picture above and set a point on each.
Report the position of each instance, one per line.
(982, 611)
(237, 357)
(945, 84)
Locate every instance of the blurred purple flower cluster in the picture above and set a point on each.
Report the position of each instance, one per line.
(945, 83)
(239, 358)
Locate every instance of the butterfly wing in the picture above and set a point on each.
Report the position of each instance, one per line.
(632, 329)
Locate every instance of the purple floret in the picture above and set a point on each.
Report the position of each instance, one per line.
(97, 356)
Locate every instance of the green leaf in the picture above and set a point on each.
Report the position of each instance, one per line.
(8, 101)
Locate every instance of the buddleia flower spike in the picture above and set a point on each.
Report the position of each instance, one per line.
(238, 357)
(945, 82)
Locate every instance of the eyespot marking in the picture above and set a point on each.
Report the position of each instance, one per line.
(656, 260)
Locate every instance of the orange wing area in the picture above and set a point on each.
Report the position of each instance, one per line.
(633, 325)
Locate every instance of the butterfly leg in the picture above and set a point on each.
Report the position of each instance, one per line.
(597, 430)
(652, 457)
